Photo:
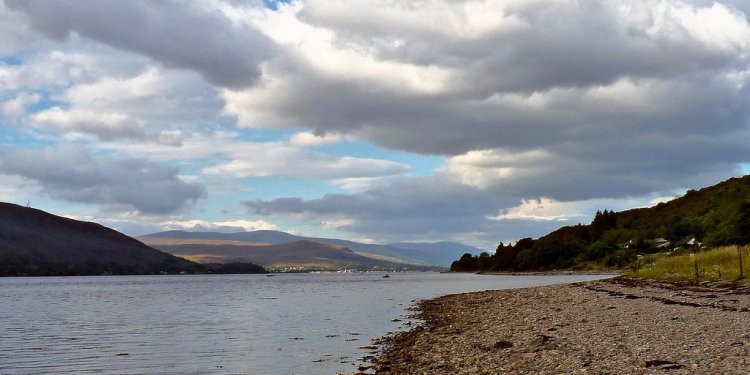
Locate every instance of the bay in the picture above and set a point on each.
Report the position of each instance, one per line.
(222, 324)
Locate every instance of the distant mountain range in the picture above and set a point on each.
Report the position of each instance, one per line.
(297, 255)
(193, 244)
(34, 242)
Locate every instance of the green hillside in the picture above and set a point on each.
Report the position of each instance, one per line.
(714, 216)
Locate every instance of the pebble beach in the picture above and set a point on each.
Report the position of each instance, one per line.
(612, 326)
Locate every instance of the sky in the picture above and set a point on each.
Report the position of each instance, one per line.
(375, 121)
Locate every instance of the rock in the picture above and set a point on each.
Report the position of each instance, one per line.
(542, 342)
(502, 344)
(663, 365)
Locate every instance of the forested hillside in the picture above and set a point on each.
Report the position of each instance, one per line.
(713, 216)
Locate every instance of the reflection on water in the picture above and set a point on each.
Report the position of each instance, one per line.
(198, 324)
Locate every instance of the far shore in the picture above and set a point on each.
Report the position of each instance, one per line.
(617, 325)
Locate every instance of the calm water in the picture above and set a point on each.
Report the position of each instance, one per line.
(198, 324)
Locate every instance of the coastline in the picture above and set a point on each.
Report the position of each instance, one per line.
(617, 325)
(550, 273)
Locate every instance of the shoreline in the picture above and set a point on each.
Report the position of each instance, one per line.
(617, 325)
(548, 273)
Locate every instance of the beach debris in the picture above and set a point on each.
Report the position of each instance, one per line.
(663, 365)
(502, 344)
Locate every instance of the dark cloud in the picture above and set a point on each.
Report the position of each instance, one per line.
(71, 173)
(624, 100)
(540, 45)
(417, 209)
(571, 69)
(178, 34)
(428, 197)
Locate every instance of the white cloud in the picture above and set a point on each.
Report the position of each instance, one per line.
(49, 68)
(546, 209)
(160, 98)
(486, 168)
(541, 209)
(219, 226)
(14, 108)
(307, 139)
(231, 158)
(102, 125)
(278, 160)
(109, 89)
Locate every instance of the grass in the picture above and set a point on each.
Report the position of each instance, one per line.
(712, 265)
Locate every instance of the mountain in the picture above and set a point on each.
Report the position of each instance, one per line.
(440, 253)
(34, 242)
(303, 254)
(714, 216)
(271, 237)
(258, 236)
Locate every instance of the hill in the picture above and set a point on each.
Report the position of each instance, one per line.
(34, 242)
(710, 217)
(439, 253)
(303, 254)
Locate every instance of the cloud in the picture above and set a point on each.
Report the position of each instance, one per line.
(417, 208)
(48, 70)
(14, 33)
(349, 173)
(156, 96)
(307, 139)
(170, 138)
(14, 108)
(219, 226)
(106, 126)
(200, 38)
(224, 155)
(69, 172)
(581, 99)
(439, 208)
(538, 209)
(546, 209)
(299, 163)
(542, 110)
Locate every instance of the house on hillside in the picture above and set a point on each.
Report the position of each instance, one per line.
(630, 244)
(659, 244)
(689, 242)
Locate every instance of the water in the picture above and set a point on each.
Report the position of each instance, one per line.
(223, 324)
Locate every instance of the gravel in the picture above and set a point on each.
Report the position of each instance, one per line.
(615, 326)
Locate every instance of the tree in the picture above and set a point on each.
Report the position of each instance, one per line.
(466, 263)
